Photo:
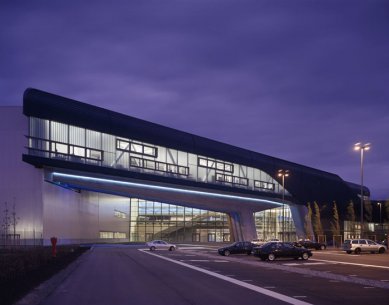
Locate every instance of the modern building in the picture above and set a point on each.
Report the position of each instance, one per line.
(86, 174)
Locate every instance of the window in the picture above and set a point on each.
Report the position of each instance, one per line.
(59, 148)
(122, 145)
(231, 179)
(219, 165)
(150, 151)
(159, 166)
(94, 154)
(264, 185)
(105, 234)
(136, 148)
(77, 151)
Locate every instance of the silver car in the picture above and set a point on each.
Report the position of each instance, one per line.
(160, 244)
(362, 245)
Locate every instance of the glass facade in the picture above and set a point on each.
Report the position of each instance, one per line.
(56, 140)
(155, 220)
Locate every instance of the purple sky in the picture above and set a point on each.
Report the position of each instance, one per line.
(298, 80)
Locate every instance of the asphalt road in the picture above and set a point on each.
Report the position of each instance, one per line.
(198, 275)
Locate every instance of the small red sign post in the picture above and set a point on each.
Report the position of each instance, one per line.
(53, 246)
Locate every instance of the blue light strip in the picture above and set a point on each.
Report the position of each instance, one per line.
(165, 188)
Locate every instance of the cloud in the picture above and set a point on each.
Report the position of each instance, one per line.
(298, 80)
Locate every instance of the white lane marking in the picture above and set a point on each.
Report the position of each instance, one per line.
(260, 290)
(368, 287)
(384, 280)
(247, 280)
(190, 255)
(300, 296)
(354, 264)
(198, 260)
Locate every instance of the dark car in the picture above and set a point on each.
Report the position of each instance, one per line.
(309, 244)
(273, 250)
(239, 247)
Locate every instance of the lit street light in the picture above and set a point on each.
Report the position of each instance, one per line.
(283, 173)
(379, 204)
(362, 147)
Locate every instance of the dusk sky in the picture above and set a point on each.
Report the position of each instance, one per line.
(298, 80)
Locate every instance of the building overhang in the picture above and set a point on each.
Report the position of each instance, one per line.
(162, 192)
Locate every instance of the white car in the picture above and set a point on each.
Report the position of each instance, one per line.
(160, 244)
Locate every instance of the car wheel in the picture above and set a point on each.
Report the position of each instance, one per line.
(357, 251)
(348, 252)
(226, 253)
(172, 248)
(152, 248)
(305, 256)
(271, 257)
(322, 247)
(381, 250)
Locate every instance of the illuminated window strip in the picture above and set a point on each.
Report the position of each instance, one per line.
(159, 166)
(264, 185)
(129, 146)
(231, 179)
(214, 164)
(66, 149)
(111, 235)
(166, 188)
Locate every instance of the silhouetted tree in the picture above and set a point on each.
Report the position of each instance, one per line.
(351, 217)
(367, 210)
(335, 225)
(308, 221)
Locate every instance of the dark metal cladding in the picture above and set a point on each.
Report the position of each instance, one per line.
(306, 184)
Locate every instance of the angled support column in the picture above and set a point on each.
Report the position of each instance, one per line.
(242, 225)
(299, 213)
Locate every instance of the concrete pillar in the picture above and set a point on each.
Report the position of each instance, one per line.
(242, 225)
(298, 214)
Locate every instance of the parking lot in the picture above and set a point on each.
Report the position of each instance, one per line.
(197, 274)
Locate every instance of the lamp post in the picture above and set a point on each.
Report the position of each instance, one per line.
(379, 204)
(283, 173)
(362, 147)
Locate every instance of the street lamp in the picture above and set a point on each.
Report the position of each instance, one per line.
(361, 147)
(379, 204)
(283, 173)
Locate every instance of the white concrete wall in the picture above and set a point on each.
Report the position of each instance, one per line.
(20, 183)
(42, 209)
(75, 217)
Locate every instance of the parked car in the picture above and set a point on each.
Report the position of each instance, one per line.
(309, 244)
(362, 245)
(239, 247)
(160, 244)
(260, 242)
(272, 250)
